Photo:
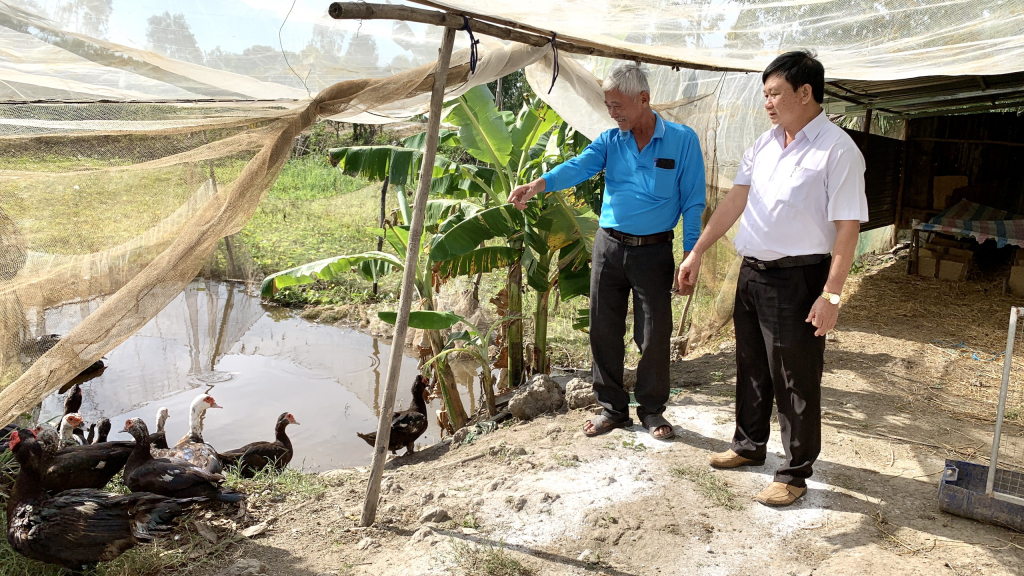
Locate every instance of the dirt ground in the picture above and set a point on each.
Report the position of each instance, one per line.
(895, 404)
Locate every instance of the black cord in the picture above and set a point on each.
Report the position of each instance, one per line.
(474, 53)
(554, 68)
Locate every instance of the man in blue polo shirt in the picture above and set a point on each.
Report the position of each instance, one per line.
(654, 172)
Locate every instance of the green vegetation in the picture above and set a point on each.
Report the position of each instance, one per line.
(314, 211)
(710, 486)
(484, 560)
(270, 485)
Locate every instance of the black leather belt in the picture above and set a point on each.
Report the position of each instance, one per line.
(631, 240)
(787, 262)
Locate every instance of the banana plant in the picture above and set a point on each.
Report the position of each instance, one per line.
(552, 244)
(373, 264)
(474, 343)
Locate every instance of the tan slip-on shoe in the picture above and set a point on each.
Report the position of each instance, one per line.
(779, 494)
(730, 459)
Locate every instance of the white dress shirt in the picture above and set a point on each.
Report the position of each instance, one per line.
(798, 191)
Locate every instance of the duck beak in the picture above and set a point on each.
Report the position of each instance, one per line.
(215, 405)
(125, 429)
(294, 421)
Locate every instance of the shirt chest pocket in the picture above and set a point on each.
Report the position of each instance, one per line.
(802, 188)
(664, 182)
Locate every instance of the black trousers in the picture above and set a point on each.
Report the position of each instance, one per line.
(779, 357)
(647, 272)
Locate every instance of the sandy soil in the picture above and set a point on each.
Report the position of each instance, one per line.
(624, 504)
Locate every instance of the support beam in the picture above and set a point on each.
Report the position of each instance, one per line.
(505, 30)
(867, 121)
(380, 449)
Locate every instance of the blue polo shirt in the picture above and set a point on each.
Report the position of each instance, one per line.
(645, 192)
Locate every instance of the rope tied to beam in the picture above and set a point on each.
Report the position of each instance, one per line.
(474, 53)
(554, 68)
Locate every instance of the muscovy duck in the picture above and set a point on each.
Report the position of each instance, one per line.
(144, 473)
(78, 528)
(90, 466)
(408, 425)
(68, 424)
(256, 456)
(103, 430)
(192, 448)
(73, 405)
(44, 343)
(158, 439)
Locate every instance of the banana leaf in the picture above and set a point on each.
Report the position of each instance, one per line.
(329, 268)
(481, 260)
(531, 124)
(425, 319)
(565, 224)
(582, 321)
(482, 130)
(467, 235)
(375, 162)
(444, 138)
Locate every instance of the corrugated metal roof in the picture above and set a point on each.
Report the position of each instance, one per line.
(926, 96)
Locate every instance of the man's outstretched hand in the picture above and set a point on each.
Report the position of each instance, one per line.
(522, 194)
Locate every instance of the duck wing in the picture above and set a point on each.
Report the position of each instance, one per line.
(406, 427)
(259, 455)
(200, 454)
(81, 527)
(90, 466)
(173, 478)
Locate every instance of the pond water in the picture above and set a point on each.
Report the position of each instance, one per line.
(257, 361)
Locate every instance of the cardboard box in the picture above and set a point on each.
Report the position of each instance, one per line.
(950, 270)
(943, 262)
(942, 189)
(927, 266)
(1017, 280)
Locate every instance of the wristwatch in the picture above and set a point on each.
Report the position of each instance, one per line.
(832, 298)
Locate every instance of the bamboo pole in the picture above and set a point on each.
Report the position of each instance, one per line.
(380, 448)
(505, 30)
(383, 215)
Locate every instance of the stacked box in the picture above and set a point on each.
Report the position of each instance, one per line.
(946, 260)
(1017, 274)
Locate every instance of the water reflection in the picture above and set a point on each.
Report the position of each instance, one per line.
(257, 362)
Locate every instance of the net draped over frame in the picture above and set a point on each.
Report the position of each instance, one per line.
(134, 137)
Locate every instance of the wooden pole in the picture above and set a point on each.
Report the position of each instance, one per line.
(503, 29)
(383, 215)
(380, 449)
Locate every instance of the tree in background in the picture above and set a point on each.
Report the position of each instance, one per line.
(170, 35)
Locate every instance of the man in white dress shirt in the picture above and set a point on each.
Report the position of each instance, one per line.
(799, 195)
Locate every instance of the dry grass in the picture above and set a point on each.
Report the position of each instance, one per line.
(710, 486)
(484, 560)
(951, 337)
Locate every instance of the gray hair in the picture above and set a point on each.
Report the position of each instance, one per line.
(630, 79)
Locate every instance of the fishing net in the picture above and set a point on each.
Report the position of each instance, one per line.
(137, 138)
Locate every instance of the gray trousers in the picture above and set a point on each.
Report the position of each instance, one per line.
(647, 272)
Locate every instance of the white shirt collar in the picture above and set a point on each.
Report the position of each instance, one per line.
(810, 131)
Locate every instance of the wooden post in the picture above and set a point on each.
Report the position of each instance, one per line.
(866, 128)
(383, 215)
(380, 449)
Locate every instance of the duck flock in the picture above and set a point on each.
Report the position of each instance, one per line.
(59, 513)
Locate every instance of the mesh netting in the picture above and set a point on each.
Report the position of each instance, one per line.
(134, 139)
